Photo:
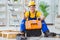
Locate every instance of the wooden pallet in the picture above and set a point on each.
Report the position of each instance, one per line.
(0, 34)
(9, 34)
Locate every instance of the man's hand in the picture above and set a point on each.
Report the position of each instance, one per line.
(24, 10)
(24, 14)
(42, 17)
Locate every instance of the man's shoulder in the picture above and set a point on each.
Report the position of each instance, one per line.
(27, 13)
(38, 11)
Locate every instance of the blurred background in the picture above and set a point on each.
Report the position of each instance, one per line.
(11, 13)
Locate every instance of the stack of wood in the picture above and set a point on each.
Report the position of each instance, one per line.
(10, 34)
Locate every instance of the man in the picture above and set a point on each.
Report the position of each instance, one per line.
(33, 14)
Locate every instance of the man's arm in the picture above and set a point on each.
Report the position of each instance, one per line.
(26, 14)
(40, 16)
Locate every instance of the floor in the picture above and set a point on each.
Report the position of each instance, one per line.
(51, 28)
(34, 38)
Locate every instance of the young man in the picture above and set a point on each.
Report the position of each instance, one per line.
(33, 15)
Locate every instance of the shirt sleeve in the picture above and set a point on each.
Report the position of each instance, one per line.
(26, 14)
(39, 14)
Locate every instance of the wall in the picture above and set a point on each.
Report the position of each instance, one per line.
(14, 13)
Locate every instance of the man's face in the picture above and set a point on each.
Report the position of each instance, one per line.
(32, 8)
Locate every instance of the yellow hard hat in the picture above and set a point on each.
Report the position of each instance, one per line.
(31, 3)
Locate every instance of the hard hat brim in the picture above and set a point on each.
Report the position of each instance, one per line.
(31, 5)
